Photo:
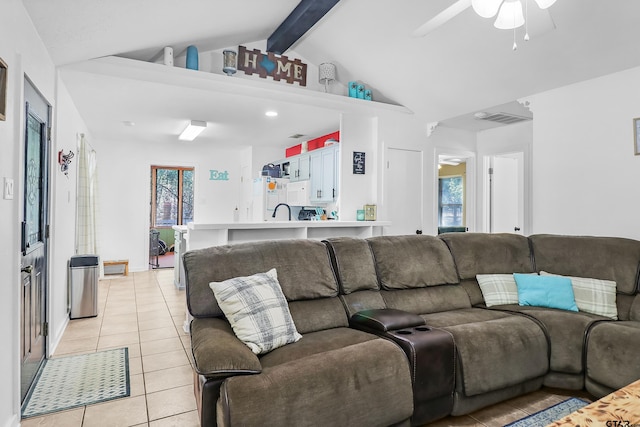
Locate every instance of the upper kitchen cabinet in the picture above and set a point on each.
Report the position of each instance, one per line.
(323, 174)
(299, 167)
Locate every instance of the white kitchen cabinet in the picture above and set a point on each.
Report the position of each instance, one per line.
(299, 167)
(323, 175)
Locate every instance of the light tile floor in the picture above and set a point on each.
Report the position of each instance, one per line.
(145, 312)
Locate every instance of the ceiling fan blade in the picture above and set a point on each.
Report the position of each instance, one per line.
(442, 18)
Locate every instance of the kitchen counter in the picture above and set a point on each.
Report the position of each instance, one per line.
(205, 235)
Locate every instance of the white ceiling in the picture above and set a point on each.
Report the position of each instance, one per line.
(463, 67)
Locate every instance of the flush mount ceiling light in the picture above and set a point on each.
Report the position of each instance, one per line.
(271, 114)
(510, 13)
(193, 129)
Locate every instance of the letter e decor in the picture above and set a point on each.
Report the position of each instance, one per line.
(279, 67)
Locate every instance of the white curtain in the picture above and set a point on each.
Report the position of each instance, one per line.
(87, 241)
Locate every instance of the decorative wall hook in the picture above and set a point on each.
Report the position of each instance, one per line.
(64, 160)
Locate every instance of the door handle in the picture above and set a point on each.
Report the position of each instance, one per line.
(28, 269)
(516, 228)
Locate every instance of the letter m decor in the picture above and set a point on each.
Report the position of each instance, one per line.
(278, 67)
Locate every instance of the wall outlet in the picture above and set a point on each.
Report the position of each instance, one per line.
(8, 188)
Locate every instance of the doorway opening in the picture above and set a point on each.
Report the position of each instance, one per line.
(454, 191)
(171, 204)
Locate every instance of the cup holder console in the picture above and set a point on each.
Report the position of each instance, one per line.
(413, 330)
(431, 353)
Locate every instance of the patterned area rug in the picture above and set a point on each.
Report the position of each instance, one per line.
(73, 381)
(551, 414)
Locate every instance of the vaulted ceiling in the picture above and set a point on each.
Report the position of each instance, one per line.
(462, 67)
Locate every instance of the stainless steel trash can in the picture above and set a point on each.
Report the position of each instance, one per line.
(84, 286)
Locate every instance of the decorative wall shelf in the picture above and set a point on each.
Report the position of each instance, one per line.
(176, 76)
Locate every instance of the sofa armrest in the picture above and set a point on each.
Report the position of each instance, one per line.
(217, 352)
(384, 319)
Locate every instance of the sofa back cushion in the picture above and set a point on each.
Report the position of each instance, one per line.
(303, 268)
(606, 258)
(480, 253)
(414, 261)
(353, 263)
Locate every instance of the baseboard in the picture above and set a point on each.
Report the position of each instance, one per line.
(14, 421)
(54, 340)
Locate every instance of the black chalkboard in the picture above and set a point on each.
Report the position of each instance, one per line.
(358, 162)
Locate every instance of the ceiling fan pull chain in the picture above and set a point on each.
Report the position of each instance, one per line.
(526, 20)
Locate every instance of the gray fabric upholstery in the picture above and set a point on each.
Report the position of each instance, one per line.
(303, 266)
(427, 300)
(354, 264)
(217, 352)
(479, 253)
(607, 258)
(634, 310)
(416, 261)
(362, 300)
(495, 350)
(466, 404)
(372, 377)
(612, 353)
(318, 314)
(566, 331)
(314, 343)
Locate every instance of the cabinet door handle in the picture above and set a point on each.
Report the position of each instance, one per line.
(334, 193)
(318, 193)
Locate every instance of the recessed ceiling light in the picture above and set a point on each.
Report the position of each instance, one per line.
(128, 123)
(271, 114)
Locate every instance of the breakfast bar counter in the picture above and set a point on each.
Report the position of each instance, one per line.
(205, 235)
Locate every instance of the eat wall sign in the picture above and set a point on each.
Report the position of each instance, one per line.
(278, 67)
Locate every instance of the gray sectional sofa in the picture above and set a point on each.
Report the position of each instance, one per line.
(395, 329)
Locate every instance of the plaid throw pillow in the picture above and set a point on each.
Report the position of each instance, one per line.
(498, 289)
(594, 296)
(257, 311)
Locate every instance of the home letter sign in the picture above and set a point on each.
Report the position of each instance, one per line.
(279, 67)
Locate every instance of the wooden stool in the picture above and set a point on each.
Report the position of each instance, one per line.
(124, 262)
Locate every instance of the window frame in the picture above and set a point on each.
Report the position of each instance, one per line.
(154, 174)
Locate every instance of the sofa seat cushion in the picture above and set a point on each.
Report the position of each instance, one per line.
(495, 350)
(566, 331)
(612, 353)
(363, 384)
(316, 343)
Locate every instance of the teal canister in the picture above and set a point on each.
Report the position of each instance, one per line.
(192, 57)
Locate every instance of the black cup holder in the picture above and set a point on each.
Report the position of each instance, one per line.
(412, 330)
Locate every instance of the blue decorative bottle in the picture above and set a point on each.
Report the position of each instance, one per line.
(192, 57)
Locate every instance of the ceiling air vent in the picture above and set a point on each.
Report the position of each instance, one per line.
(296, 135)
(504, 118)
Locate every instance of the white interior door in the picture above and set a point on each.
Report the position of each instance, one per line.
(404, 193)
(507, 193)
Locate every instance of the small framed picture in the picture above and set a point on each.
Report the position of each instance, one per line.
(3, 89)
(636, 135)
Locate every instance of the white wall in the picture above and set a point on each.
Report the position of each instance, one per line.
(502, 140)
(24, 53)
(66, 127)
(124, 191)
(585, 174)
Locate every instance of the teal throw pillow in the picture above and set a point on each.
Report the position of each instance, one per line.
(545, 291)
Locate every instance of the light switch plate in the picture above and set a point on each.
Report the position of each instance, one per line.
(8, 188)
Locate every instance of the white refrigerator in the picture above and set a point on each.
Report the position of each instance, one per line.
(268, 192)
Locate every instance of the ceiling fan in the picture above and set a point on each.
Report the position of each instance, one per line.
(509, 15)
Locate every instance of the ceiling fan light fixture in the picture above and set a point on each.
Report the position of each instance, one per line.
(486, 8)
(510, 15)
(545, 4)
